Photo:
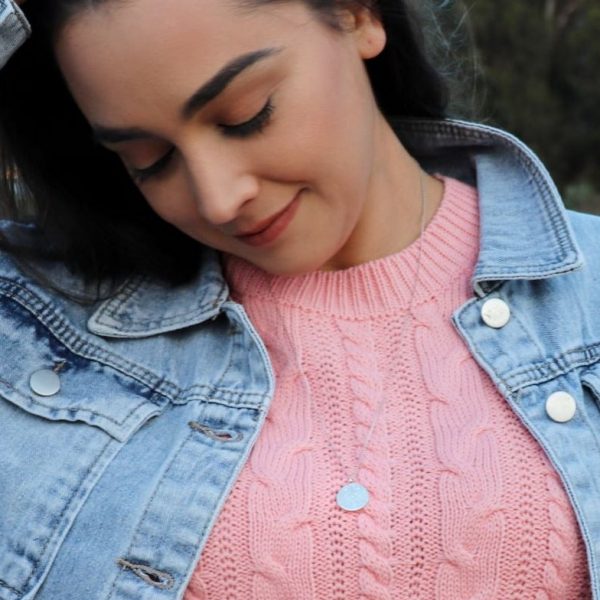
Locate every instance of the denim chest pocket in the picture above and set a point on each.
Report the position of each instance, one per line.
(569, 405)
(590, 382)
(63, 417)
(48, 369)
(590, 378)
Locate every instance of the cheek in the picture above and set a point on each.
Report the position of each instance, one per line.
(310, 143)
(178, 208)
(324, 129)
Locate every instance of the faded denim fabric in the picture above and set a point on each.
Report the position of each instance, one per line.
(109, 488)
(14, 29)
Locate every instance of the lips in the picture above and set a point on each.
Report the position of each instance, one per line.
(262, 225)
(270, 229)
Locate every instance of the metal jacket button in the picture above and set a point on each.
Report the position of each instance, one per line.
(561, 407)
(45, 382)
(495, 313)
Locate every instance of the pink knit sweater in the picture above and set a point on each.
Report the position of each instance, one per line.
(464, 503)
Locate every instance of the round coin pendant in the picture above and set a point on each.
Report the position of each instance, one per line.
(353, 496)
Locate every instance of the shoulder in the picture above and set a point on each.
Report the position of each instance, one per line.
(19, 270)
(584, 222)
(14, 29)
(586, 228)
(579, 289)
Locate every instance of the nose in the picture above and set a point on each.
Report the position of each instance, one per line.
(221, 183)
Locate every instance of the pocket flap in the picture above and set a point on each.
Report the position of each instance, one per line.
(89, 390)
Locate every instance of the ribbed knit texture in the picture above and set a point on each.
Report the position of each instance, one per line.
(464, 503)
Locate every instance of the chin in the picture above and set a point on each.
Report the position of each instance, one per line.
(290, 267)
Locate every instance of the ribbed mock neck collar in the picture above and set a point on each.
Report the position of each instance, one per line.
(448, 250)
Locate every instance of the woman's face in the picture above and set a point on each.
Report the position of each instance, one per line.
(253, 131)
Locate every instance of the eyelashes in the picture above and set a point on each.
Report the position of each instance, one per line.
(141, 175)
(246, 129)
(254, 125)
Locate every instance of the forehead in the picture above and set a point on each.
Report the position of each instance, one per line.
(112, 55)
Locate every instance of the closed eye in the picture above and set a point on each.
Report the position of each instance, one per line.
(141, 175)
(254, 125)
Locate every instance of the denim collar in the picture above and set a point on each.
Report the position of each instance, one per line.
(143, 307)
(525, 233)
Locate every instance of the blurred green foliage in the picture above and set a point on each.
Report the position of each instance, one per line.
(532, 67)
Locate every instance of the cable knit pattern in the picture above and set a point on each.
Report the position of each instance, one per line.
(562, 563)
(466, 444)
(464, 503)
(374, 528)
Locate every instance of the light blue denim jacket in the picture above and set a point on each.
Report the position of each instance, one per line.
(109, 487)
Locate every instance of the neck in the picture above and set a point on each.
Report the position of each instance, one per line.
(391, 217)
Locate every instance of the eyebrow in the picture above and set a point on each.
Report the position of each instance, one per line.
(202, 96)
(212, 88)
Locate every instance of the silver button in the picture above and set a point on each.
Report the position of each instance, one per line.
(45, 382)
(495, 313)
(561, 407)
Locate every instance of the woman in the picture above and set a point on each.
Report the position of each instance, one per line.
(405, 406)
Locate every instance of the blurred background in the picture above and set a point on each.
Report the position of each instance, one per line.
(531, 67)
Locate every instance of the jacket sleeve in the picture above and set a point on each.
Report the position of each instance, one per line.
(14, 29)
